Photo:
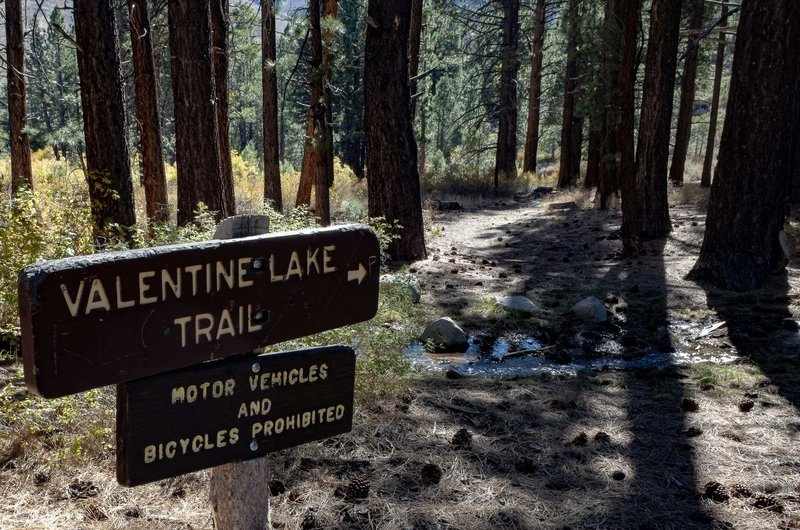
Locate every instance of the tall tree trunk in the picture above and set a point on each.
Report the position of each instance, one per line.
(534, 90)
(414, 42)
(758, 151)
(393, 190)
(613, 46)
(631, 209)
(423, 142)
(269, 89)
(146, 82)
(571, 127)
(21, 174)
(719, 63)
(330, 13)
(684, 127)
(219, 57)
(593, 161)
(506, 155)
(108, 170)
(312, 172)
(196, 125)
(652, 148)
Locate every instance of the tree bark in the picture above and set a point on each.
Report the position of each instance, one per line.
(571, 127)
(506, 155)
(330, 13)
(613, 45)
(108, 171)
(534, 90)
(196, 125)
(652, 149)
(684, 127)
(593, 161)
(631, 209)
(145, 80)
(758, 151)
(21, 174)
(719, 63)
(414, 42)
(393, 191)
(269, 87)
(313, 171)
(219, 57)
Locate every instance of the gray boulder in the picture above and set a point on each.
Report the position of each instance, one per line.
(590, 309)
(444, 335)
(517, 303)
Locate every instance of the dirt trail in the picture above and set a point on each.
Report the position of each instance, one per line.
(652, 448)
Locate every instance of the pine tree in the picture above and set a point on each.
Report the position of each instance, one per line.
(393, 191)
(108, 171)
(758, 152)
(147, 113)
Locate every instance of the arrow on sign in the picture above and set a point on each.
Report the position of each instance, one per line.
(357, 274)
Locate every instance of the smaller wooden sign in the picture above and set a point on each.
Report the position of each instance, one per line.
(231, 410)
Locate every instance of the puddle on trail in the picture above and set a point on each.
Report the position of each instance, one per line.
(502, 358)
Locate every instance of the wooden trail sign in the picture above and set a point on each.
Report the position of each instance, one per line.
(109, 318)
(230, 410)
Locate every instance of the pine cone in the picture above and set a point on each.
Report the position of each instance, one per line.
(768, 502)
(462, 438)
(746, 405)
(741, 491)
(689, 405)
(716, 492)
(310, 521)
(358, 487)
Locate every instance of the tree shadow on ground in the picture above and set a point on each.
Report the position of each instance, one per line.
(559, 258)
(761, 328)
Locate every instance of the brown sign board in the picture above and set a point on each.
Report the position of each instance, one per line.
(108, 318)
(230, 410)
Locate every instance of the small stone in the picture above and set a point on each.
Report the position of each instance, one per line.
(590, 309)
(453, 374)
(502, 275)
(746, 405)
(517, 303)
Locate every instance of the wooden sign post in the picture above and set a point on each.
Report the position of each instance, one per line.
(105, 319)
(159, 322)
(234, 409)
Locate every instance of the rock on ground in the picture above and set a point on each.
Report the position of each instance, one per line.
(444, 335)
(519, 303)
(590, 309)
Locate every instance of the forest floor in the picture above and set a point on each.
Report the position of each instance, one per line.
(584, 447)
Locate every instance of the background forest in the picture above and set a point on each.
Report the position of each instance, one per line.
(642, 156)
